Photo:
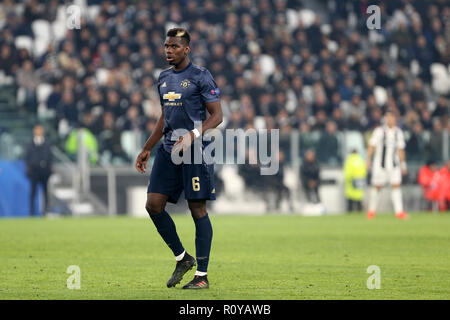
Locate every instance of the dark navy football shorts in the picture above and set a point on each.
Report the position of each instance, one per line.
(197, 180)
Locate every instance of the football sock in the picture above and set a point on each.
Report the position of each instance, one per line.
(373, 199)
(397, 201)
(181, 256)
(203, 238)
(199, 273)
(166, 228)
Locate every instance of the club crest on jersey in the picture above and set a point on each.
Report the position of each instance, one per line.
(185, 83)
(172, 96)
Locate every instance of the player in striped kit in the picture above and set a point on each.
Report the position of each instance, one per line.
(387, 148)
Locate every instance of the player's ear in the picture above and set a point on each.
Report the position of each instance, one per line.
(187, 49)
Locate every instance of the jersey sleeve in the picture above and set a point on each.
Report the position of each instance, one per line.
(208, 88)
(375, 137)
(401, 140)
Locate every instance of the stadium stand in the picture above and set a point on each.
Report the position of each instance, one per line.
(312, 67)
(272, 59)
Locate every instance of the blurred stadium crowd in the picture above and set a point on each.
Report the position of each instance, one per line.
(277, 64)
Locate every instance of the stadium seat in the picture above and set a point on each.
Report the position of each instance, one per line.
(438, 70)
(259, 122)
(380, 95)
(354, 140)
(441, 78)
(102, 76)
(326, 29)
(43, 90)
(393, 51)
(92, 12)
(414, 67)
(24, 42)
(307, 17)
(292, 18)
(41, 29)
(131, 143)
(59, 30)
(267, 64)
(40, 46)
(61, 14)
(234, 185)
(308, 94)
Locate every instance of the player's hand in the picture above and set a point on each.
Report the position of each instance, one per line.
(183, 143)
(404, 169)
(141, 161)
(368, 164)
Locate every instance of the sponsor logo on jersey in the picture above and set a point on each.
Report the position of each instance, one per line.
(172, 96)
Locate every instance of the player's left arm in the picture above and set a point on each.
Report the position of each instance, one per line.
(401, 152)
(402, 156)
(216, 117)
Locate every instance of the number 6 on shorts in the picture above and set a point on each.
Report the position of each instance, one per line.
(196, 183)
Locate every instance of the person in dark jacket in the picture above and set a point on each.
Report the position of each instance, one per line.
(276, 185)
(328, 146)
(38, 160)
(309, 175)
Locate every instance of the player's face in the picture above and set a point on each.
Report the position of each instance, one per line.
(390, 119)
(175, 49)
(38, 131)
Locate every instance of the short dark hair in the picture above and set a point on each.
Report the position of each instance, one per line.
(391, 111)
(179, 32)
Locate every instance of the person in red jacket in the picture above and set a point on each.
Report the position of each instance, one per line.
(436, 184)
(427, 179)
(444, 187)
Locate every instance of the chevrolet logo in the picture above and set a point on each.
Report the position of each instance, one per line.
(172, 96)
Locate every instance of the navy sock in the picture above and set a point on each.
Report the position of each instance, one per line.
(166, 228)
(203, 238)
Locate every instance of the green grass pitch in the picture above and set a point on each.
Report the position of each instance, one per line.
(253, 257)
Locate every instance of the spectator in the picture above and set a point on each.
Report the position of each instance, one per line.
(109, 140)
(309, 176)
(8, 61)
(442, 110)
(250, 172)
(355, 180)
(307, 140)
(434, 184)
(435, 143)
(28, 81)
(415, 146)
(67, 109)
(328, 146)
(276, 185)
(260, 52)
(38, 161)
(90, 143)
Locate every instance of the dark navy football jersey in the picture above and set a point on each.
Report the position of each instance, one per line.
(183, 96)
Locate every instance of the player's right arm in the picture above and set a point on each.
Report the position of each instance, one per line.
(142, 158)
(401, 152)
(370, 151)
